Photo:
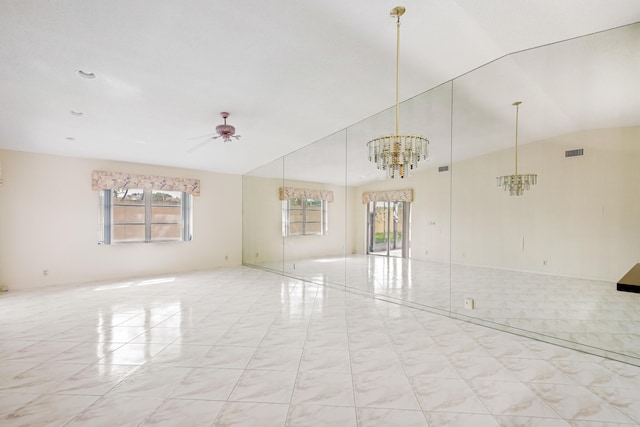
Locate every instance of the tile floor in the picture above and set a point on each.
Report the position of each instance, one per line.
(588, 312)
(245, 347)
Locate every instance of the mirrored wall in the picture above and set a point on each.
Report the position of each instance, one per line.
(447, 238)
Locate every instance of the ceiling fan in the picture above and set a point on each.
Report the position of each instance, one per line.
(224, 131)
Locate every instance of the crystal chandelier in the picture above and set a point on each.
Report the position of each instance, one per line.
(517, 183)
(398, 154)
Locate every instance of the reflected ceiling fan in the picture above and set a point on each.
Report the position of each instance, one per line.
(224, 131)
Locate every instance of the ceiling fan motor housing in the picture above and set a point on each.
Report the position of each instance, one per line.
(225, 130)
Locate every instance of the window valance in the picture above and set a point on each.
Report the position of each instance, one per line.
(104, 180)
(388, 196)
(287, 193)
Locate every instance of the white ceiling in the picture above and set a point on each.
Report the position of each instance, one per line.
(289, 72)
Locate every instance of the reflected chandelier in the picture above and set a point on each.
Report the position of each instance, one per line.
(398, 154)
(517, 183)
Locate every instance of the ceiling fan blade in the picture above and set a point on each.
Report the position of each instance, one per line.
(200, 137)
(199, 146)
(236, 136)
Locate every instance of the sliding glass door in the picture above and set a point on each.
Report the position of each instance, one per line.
(388, 228)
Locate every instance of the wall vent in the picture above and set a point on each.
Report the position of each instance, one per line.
(443, 168)
(574, 153)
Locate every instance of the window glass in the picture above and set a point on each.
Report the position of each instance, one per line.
(304, 216)
(138, 215)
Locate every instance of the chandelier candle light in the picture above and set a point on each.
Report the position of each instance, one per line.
(517, 183)
(398, 154)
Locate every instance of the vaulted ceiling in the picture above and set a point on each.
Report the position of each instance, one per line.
(288, 72)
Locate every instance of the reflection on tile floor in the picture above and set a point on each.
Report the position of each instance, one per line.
(245, 347)
(588, 312)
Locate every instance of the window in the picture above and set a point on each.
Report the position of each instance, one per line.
(304, 216)
(131, 215)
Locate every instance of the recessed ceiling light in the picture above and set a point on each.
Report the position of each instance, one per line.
(76, 113)
(85, 75)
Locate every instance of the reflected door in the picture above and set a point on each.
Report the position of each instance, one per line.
(388, 228)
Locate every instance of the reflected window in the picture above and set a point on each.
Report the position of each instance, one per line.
(304, 216)
(135, 215)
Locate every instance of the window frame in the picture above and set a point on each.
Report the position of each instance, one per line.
(107, 221)
(305, 222)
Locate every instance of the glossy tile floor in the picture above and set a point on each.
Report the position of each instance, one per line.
(588, 312)
(245, 347)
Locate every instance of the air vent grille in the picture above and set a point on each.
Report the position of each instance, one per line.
(443, 168)
(574, 153)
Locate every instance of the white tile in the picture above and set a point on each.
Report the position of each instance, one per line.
(94, 380)
(323, 388)
(181, 413)
(317, 359)
(220, 356)
(307, 415)
(122, 411)
(48, 410)
(245, 347)
(446, 395)
(207, 384)
(264, 386)
(249, 414)
(511, 398)
(132, 354)
(150, 381)
(9, 402)
(276, 358)
(377, 391)
(578, 403)
(506, 420)
(461, 419)
(374, 417)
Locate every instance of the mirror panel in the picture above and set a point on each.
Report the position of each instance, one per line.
(543, 264)
(262, 240)
(401, 248)
(546, 263)
(314, 246)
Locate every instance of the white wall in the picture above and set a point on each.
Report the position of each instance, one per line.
(49, 220)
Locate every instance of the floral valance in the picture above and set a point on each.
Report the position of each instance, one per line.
(287, 193)
(104, 180)
(388, 196)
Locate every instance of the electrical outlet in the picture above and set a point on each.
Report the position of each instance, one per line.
(545, 262)
(226, 257)
(469, 304)
(45, 272)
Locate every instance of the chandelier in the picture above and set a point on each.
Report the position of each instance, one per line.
(517, 183)
(398, 154)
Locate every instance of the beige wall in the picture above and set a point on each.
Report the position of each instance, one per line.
(582, 218)
(262, 212)
(430, 213)
(49, 220)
